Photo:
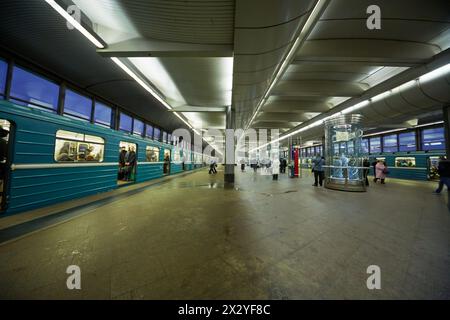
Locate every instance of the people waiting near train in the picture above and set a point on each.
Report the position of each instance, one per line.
(283, 165)
(166, 165)
(366, 165)
(318, 170)
(444, 174)
(242, 165)
(130, 164)
(212, 167)
(122, 154)
(381, 171)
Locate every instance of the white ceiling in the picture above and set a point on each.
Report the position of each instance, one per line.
(205, 55)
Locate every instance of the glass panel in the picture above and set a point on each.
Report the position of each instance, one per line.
(169, 138)
(149, 131)
(407, 141)
(3, 72)
(152, 154)
(77, 105)
(164, 137)
(77, 147)
(433, 139)
(125, 122)
(138, 127)
(102, 114)
(34, 90)
(375, 145)
(405, 162)
(390, 143)
(157, 134)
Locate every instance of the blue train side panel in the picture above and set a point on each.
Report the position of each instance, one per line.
(34, 135)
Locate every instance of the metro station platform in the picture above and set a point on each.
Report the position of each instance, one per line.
(191, 238)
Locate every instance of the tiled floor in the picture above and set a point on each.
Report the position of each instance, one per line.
(190, 238)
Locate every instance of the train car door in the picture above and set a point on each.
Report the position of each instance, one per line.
(6, 134)
(127, 163)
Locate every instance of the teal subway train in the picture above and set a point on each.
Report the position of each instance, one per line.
(49, 158)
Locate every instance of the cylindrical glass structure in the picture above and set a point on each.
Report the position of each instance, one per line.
(343, 153)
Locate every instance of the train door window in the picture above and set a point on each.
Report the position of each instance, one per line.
(152, 154)
(127, 162)
(166, 168)
(78, 147)
(5, 129)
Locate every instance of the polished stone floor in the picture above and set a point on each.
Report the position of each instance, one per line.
(191, 238)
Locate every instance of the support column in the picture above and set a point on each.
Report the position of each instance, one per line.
(446, 114)
(229, 147)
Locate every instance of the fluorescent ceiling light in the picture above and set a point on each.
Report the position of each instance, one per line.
(140, 81)
(435, 73)
(75, 23)
(288, 57)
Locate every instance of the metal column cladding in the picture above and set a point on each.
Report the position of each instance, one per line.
(229, 146)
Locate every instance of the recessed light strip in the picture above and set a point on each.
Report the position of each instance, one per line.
(308, 24)
(75, 23)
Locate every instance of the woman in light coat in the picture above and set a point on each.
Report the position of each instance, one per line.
(275, 168)
(381, 169)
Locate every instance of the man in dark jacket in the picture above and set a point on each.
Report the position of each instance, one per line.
(366, 164)
(122, 154)
(130, 163)
(444, 174)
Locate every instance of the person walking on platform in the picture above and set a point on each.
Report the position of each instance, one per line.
(380, 171)
(318, 170)
(366, 165)
(212, 167)
(283, 165)
(444, 174)
(374, 165)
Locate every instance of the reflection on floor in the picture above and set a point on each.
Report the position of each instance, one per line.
(192, 238)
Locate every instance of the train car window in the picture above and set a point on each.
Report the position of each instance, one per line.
(127, 162)
(78, 106)
(157, 134)
(365, 145)
(336, 148)
(102, 114)
(407, 141)
(169, 138)
(34, 91)
(405, 162)
(78, 147)
(375, 145)
(3, 72)
(149, 131)
(433, 165)
(390, 143)
(164, 137)
(138, 127)
(151, 154)
(351, 147)
(125, 122)
(433, 139)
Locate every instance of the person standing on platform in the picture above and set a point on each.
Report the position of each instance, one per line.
(130, 163)
(122, 154)
(381, 170)
(366, 165)
(318, 170)
(242, 165)
(374, 166)
(444, 174)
